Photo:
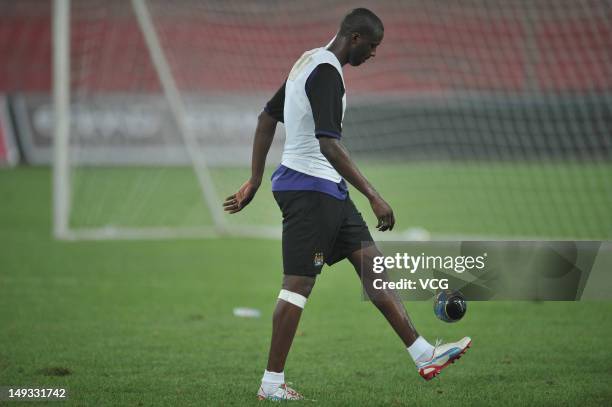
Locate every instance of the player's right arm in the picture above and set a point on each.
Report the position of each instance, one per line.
(339, 158)
(325, 91)
(264, 134)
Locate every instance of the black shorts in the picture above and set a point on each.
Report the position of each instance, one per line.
(317, 229)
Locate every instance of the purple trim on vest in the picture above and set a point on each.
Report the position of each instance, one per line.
(287, 179)
(324, 133)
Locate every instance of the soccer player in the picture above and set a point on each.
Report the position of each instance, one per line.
(320, 222)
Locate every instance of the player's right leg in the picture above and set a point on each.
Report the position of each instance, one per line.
(443, 355)
(429, 360)
(387, 301)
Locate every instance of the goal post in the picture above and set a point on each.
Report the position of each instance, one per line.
(64, 150)
(61, 104)
(178, 111)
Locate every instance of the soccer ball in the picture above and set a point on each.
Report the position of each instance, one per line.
(449, 306)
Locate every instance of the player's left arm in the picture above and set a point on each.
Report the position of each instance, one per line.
(264, 134)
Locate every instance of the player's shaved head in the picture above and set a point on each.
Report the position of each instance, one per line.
(363, 22)
(361, 31)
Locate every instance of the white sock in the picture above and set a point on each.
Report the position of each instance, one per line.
(420, 349)
(271, 381)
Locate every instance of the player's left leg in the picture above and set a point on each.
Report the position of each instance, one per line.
(289, 307)
(291, 301)
(303, 245)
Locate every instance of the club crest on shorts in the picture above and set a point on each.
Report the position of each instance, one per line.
(318, 259)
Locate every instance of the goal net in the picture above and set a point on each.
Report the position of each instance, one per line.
(487, 119)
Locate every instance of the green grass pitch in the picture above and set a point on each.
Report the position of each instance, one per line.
(147, 323)
(540, 200)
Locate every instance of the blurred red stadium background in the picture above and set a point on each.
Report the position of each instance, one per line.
(251, 48)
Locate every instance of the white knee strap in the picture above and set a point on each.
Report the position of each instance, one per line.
(294, 298)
